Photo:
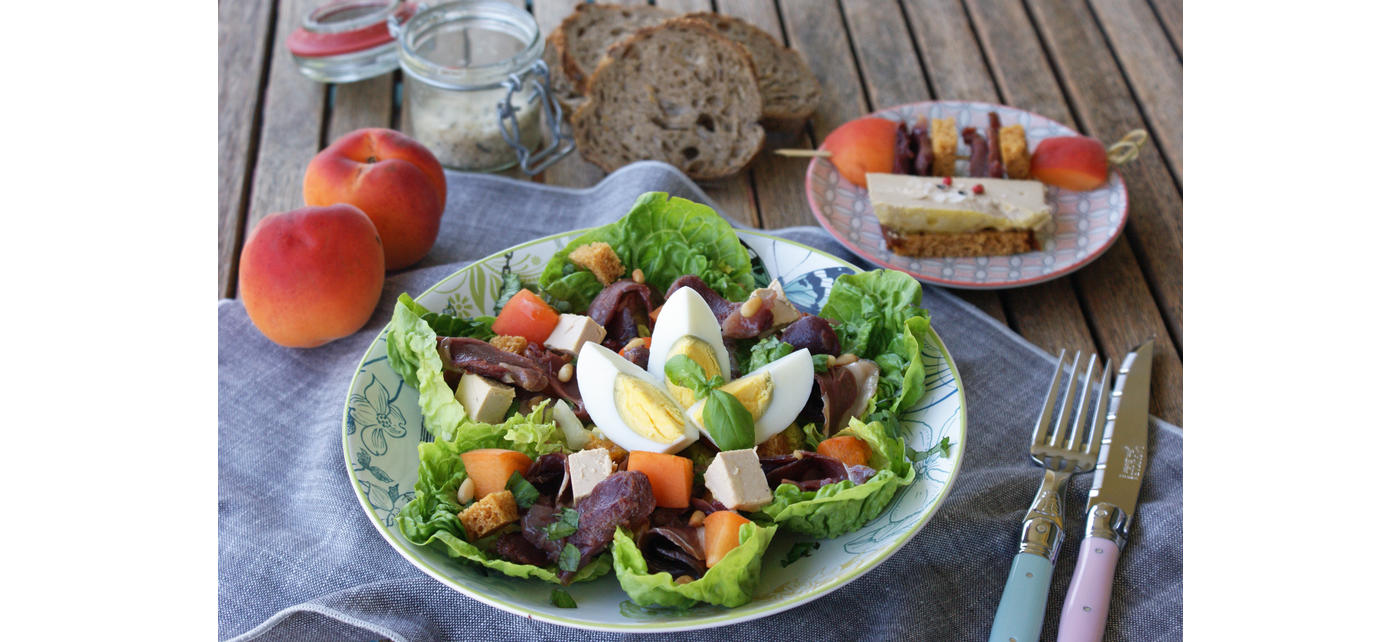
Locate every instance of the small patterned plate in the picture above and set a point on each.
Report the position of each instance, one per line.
(1086, 223)
(383, 426)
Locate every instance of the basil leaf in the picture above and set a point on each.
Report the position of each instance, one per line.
(524, 492)
(564, 526)
(799, 550)
(683, 371)
(569, 558)
(729, 422)
(562, 599)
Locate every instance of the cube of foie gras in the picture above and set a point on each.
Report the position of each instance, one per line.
(486, 400)
(572, 332)
(587, 468)
(736, 479)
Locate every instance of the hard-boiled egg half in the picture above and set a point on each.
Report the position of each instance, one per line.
(628, 406)
(774, 394)
(687, 326)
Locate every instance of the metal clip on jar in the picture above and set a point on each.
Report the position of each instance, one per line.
(467, 67)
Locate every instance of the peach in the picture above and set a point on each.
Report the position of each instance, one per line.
(1076, 163)
(311, 275)
(862, 145)
(393, 179)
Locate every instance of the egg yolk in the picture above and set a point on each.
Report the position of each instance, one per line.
(699, 352)
(754, 392)
(647, 411)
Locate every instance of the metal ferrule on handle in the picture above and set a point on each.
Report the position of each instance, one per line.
(1109, 522)
(1042, 530)
(1021, 612)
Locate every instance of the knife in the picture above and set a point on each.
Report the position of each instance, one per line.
(1112, 500)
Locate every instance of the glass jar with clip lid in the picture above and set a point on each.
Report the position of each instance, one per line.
(476, 90)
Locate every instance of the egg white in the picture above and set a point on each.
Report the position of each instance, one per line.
(597, 372)
(685, 313)
(792, 385)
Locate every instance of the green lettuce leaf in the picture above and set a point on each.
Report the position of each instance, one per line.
(665, 237)
(432, 514)
(835, 509)
(412, 347)
(729, 583)
(886, 452)
(842, 507)
(880, 319)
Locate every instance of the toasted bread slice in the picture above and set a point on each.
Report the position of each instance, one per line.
(679, 93)
(943, 133)
(941, 244)
(580, 42)
(1015, 156)
(790, 90)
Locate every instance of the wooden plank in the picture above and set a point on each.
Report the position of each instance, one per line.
(572, 171)
(367, 103)
(1169, 12)
(1151, 68)
(1099, 94)
(291, 129)
(1113, 290)
(774, 183)
(950, 53)
(889, 66)
(243, 33)
(733, 195)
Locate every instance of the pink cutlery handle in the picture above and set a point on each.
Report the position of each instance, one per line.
(1086, 604)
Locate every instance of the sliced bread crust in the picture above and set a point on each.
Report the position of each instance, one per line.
(574, 49)
(677, 92)
(790, 90)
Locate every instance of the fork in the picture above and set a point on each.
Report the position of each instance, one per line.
(1021, 612)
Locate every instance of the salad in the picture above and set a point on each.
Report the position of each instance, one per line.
(648, 409)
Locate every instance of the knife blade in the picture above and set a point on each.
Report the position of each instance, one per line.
(1112, 500)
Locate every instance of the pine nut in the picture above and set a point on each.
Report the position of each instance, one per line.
(684, 579)
(636, 342)
(844, 359)
(751, 306)
(638, 276)
(696, 518)
(466, 492)
(566, 373)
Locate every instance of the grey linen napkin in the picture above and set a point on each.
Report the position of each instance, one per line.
(298, 559)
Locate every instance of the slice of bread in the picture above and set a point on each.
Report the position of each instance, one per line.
(579, 43)
(790, 90)
(941, 244)
(677, 92)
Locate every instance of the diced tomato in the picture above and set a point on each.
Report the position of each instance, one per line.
(526, 315)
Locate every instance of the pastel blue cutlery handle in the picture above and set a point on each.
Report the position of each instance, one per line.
(1022, 609)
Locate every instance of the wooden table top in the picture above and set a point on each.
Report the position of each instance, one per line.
(1102, 66)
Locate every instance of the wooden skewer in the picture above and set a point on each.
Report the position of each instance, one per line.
(820, 153)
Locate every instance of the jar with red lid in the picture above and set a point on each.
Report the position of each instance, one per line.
(475, 87)
(348, 40)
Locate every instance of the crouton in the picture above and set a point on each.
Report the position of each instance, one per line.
(600, 259)
(615, 452)
(488, 514)
(510, 343)
(943, 134)
(1014, 156)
